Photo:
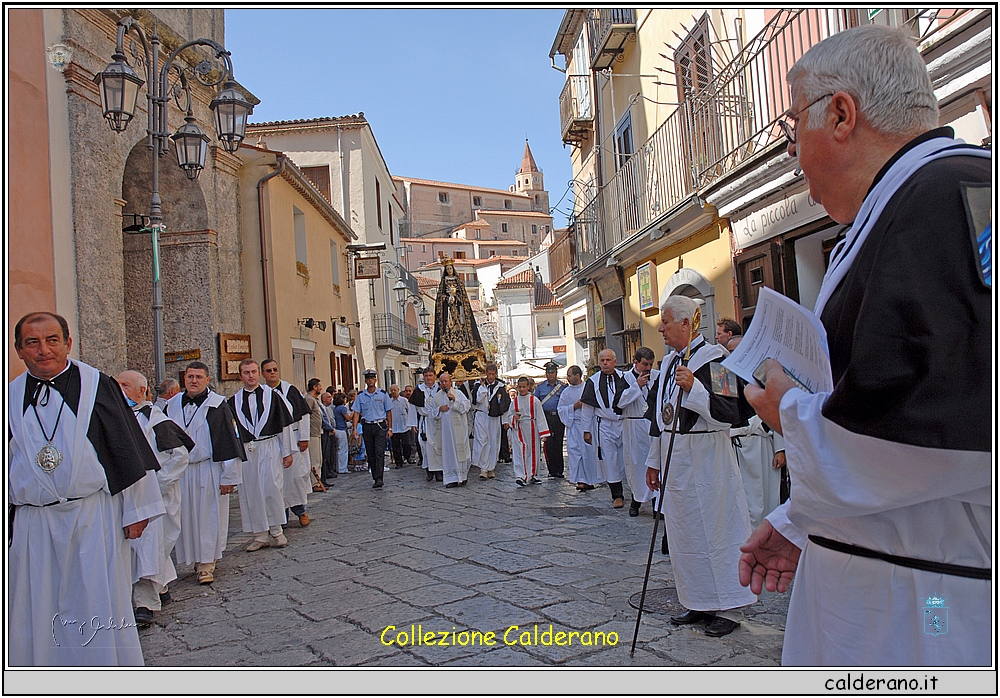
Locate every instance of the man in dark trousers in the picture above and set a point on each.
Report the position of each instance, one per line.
(548, 394)
(373, 409)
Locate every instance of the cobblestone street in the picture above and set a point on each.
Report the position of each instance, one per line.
(479, 558)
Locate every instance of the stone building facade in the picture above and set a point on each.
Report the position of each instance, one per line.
(102, 275)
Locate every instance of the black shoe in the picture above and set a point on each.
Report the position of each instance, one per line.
(430, 476)
(690, 617)
(439, 476)
(633, 508)
(165, 598)
(664, 548)
(719, 627)
(535, 481)
(328, 485)
(378, 483)
(143, 617)
(451, 484)
(520, 482)
(463, 483)
(556, 475)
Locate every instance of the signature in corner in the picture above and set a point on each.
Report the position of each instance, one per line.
(91, 627)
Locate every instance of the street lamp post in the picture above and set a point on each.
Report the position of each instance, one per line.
(119, 87)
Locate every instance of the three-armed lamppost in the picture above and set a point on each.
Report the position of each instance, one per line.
(119, 85)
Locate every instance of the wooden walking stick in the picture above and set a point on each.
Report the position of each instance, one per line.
(695, 322)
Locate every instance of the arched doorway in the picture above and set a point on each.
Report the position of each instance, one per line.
(690, 283)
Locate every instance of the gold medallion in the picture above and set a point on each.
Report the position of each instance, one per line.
(668, 413)
(48, 458)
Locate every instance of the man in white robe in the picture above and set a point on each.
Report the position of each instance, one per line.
(489, 405)
(601, 394)
(450, 410)
(888, 529)
(152, 568)
(528, 432)
(76, 482)
(635, 432)
(705, 507)
(427, 433)
(266, 429)
(582, 456)
(214, 470)
(297, 478)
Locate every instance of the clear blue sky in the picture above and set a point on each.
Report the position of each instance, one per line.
(450, 94)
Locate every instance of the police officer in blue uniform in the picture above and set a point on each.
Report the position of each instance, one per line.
(373, 407)
(548, 394)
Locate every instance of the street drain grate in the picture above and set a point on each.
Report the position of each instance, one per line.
(662, 601)
(565, 512)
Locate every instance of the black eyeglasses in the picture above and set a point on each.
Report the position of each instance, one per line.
(790, 122)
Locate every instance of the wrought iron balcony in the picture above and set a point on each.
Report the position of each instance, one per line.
(391, 332)
(608, 30)
(561, 259)
(576, 109)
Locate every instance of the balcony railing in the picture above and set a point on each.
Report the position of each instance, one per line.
(393, 333)
(608, 30)
(576, 109)
(561, 261)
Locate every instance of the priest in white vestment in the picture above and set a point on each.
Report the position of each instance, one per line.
(76, 482)
(450, 409)
(152, 568)
(427, 431)
(214, 470)
(297, 479)
(705, 507)
(601, 394)
(583, 471)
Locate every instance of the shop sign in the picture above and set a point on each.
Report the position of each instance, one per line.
(778, 217)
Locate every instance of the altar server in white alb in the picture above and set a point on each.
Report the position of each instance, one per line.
(214, 470)
(265, 423)
(888, 529)
(489, 405)
(704, 505)
(76, 484)
(601, 394)
(635, 432)
(528, 432)
(450, 409)
(427, 432)
(582, 456)
(297, 478)
(152, 568)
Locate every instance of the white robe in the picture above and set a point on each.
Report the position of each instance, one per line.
(581, 455)
(705, 507)
(847, 610)
(297, 479)
(262, 505)
(486, 445)
(528, 428)
(152, 549)
(452, 443)
(428, 433)
(69, 565)
(755, 455)
(605, 428)
(635, 434)
(204, 512)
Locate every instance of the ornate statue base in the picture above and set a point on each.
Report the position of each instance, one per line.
(473, 362)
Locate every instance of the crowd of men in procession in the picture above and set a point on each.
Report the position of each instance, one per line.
(891, 484)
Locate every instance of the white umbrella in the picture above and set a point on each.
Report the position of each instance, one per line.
(532, 368)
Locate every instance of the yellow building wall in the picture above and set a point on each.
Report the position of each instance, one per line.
(708, 253)
(296, 297)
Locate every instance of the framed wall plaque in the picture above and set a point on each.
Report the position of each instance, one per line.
(367, 267)
(233, 348)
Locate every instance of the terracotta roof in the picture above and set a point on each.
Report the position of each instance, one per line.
(524, 279)
(453, 185)
(544, 298)
(352, 118)
(528, 162)
(473, 224)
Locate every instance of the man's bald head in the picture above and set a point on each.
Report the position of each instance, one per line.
(133, 384)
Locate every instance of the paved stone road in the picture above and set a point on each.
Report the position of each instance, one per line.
(479, 558)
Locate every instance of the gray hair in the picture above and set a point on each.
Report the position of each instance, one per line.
(681, 308)
(881, 68)
(166, 386)
(139, 378)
